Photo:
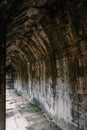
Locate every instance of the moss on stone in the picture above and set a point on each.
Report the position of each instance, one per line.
(17, 93)
(33, 106)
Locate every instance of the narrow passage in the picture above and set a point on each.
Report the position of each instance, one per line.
(23, 115)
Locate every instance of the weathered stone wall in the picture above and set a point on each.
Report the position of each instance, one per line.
(21, 82)
(55, 85)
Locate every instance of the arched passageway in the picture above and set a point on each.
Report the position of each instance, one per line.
(47, 47)
(10, 76)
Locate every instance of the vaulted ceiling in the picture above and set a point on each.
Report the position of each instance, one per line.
(36, 29)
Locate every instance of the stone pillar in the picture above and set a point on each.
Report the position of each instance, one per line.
(2, 71)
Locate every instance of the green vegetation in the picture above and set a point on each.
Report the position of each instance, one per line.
(33, 106)
(17, 93)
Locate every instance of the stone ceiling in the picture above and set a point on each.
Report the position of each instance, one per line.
(36, 29)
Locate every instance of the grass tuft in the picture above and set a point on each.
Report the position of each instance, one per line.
(33, 106)
(17, 93)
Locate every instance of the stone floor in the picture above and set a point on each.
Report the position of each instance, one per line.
(22, 115)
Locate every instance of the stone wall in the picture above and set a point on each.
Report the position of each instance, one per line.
(55, 85)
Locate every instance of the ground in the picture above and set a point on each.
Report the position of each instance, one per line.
(24, 115)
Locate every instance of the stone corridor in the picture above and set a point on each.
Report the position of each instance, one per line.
(43, 55)
(22, 116)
